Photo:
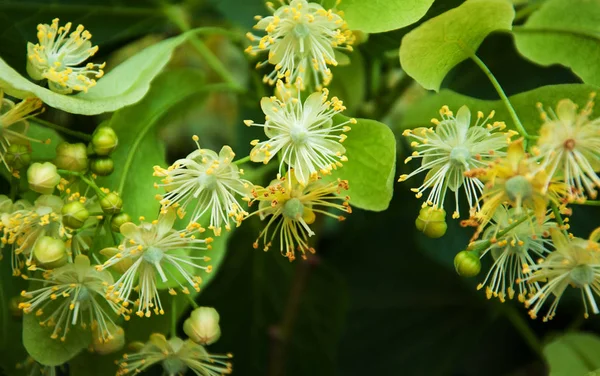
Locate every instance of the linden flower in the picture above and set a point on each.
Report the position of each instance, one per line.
(13, 122)
(569, 147)
(292, 207)
(518, 247)
(450, 150)
(301, 40)
(304, 135)
(152, 250)
(575, 262)
(208, 183)
(58, 55)
(176, 357)
(75, 294)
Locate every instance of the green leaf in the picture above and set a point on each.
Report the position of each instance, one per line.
(377, 16)
(48, 351)
(431, 50)
(371, 151)
(124, 85)
(10, 325)
(573, 354)
(350, 82)
(564, 32)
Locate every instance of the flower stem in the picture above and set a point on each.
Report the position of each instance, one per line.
(503, 96)
(242, 160)
(559, 218)
(173, 317)
(485, 244)
(59, 128)
(521, 325)
(192, 301)
(588, 203)
(81, 176)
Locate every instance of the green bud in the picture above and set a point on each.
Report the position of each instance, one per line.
(72, 157)
(74, 214)
(102, 166)
(18, 156)
(42, 177)
(114, 342)
(467, 264)
(203, 326)
(111, 203)
(432, 222)
(50, 252)
(104, 140)
(118, 220)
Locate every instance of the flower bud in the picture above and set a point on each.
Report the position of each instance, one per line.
(74, 214)
(104, 140)
(120, 266)
(18, 156)
(102, 166)
(118, 220)
(432, 222)
(42, 177)
(50, 252)
(72, 157)
(114, 342)
(467, 263)
(111, 203)
(203, 326)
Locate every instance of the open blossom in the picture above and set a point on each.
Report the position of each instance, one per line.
(152, 251)
(305, 135)
(290, 208)
(70, 295)
(569, 147)
(58, 55)
(301, 39)
(176, 357)
(575, 263)
(515, 248)
(205, 182)
(452, 148)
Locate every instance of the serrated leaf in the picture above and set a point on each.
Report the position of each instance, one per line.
(431, 50)
(377, 16)
(564, 32)
(573, 354)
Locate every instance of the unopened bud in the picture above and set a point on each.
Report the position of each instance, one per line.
(18, 156)
(104, 141)
(118, 220)
(102, 166)
(120, 266)
(50, 252)
(112, 340)
(74, 214)
(42, 177)
(72, 157)
(203, 326)
(111, 203)
(467, 263)
(432, 222)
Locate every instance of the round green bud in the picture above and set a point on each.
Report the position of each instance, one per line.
(111, 343)
(42, 177)
(432, 222)
(467, 264)
(118, 220)
(111, 203)
(50, 252)
(74, 214)
(72, 157)
(104, 141)
(18, 156)
(203, 326)
(102, 166)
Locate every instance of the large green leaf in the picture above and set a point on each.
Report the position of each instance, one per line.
(564, 32)
(377, 16)
(573, 354)
(431, 50)
(371, 151)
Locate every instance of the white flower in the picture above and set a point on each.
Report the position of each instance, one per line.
(301, 40)
(523, 244)
(451, 149)
(57, 58)
(306, 136)
(206, 182)
(156, 250)
(569, 147)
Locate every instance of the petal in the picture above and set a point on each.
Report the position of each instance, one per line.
(566, 110)
(226, 154)
(560, 241)
(463, 119)
(130, 231)
(165, 223)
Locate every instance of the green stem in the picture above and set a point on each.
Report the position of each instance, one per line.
(559, 218)
(14, 187)
(80, 135)
(503, 96)
(516, 318)
(588, 203)
(192, 301)
(174, 317)
(242, 160)
(81, 176)
(485, 244)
